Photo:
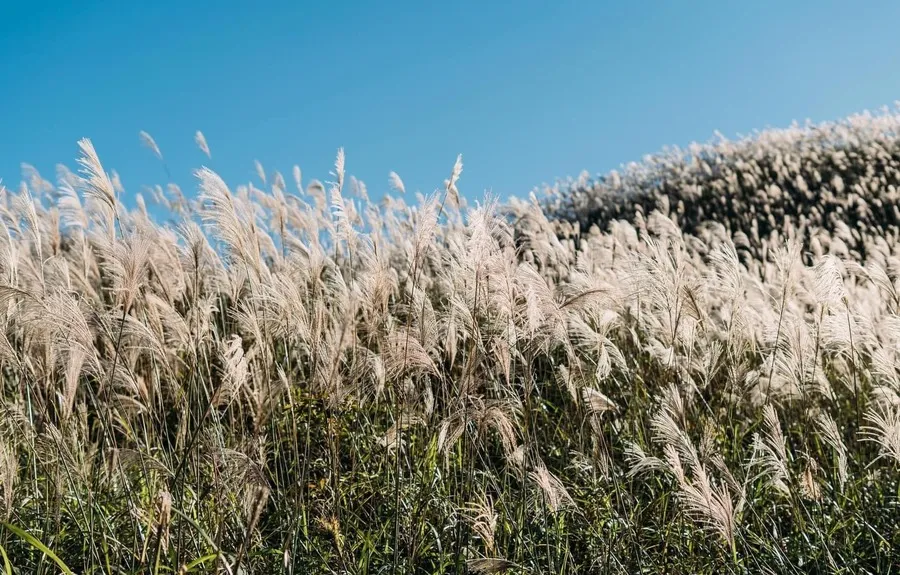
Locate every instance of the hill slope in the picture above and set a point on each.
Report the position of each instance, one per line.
(828, 185)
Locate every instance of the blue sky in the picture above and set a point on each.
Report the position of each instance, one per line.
(527, 91)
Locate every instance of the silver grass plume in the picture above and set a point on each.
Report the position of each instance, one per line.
(148, 141)
(200, 140)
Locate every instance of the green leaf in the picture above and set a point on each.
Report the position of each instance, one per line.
(31, 540)
(7, 568)
(199, 561)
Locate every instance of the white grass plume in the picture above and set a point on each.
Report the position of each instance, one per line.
(200, 140)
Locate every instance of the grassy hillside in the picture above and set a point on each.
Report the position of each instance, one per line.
(832, 186)
(294, 379)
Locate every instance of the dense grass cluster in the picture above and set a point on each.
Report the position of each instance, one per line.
(296, 379)
(819, 184)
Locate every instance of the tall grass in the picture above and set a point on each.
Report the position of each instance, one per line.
(303, 380)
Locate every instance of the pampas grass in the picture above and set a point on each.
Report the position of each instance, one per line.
(698, 376)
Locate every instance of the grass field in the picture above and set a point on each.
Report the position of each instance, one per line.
(689, 367)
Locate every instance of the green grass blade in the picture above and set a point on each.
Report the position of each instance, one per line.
(7, 568)
(199, 561)
(31, 540)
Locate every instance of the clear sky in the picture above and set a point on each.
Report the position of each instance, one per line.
(527, 91)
